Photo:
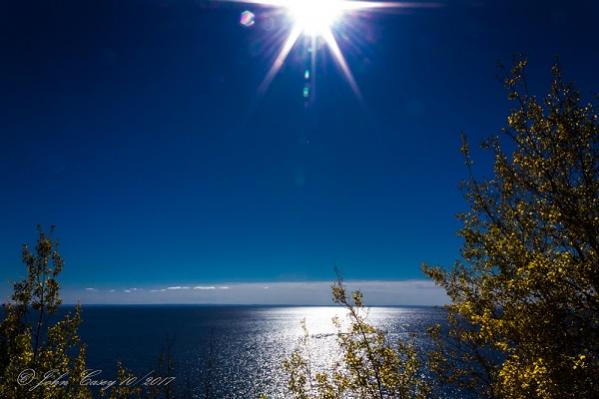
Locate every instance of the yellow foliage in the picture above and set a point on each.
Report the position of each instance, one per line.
(524, 317)
(369, 367)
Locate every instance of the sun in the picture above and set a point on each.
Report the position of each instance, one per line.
(320, 21)
(314, 17)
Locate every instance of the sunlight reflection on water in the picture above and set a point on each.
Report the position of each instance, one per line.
(250, 363)
(231, 352)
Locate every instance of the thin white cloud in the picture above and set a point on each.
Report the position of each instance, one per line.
(91, 289)
(376, 293)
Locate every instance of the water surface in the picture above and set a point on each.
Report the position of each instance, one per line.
(228, 351)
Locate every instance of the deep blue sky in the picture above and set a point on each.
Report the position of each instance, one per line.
(135, 127)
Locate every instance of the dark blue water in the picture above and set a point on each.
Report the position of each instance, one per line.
(227, 351)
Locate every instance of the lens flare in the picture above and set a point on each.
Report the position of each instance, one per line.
(247, 19)
(317, 20)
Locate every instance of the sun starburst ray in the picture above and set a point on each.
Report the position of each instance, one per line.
(318, 19)
(281, 57)
(341, 62)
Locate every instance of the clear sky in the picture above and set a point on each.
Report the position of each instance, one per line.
(135, 126)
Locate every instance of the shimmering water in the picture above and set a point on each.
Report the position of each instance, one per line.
(227, 351)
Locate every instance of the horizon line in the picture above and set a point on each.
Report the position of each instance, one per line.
(411, 292)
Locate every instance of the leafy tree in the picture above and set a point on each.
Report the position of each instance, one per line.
(123, 389)
(30, 341)
(370, 366)
(524, 316)
(44, 358)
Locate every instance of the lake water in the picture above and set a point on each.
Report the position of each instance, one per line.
(227, 351)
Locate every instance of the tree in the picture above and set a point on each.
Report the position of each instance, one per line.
(370, 367)
(44, 358)
(524, 312)
(29, 341)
